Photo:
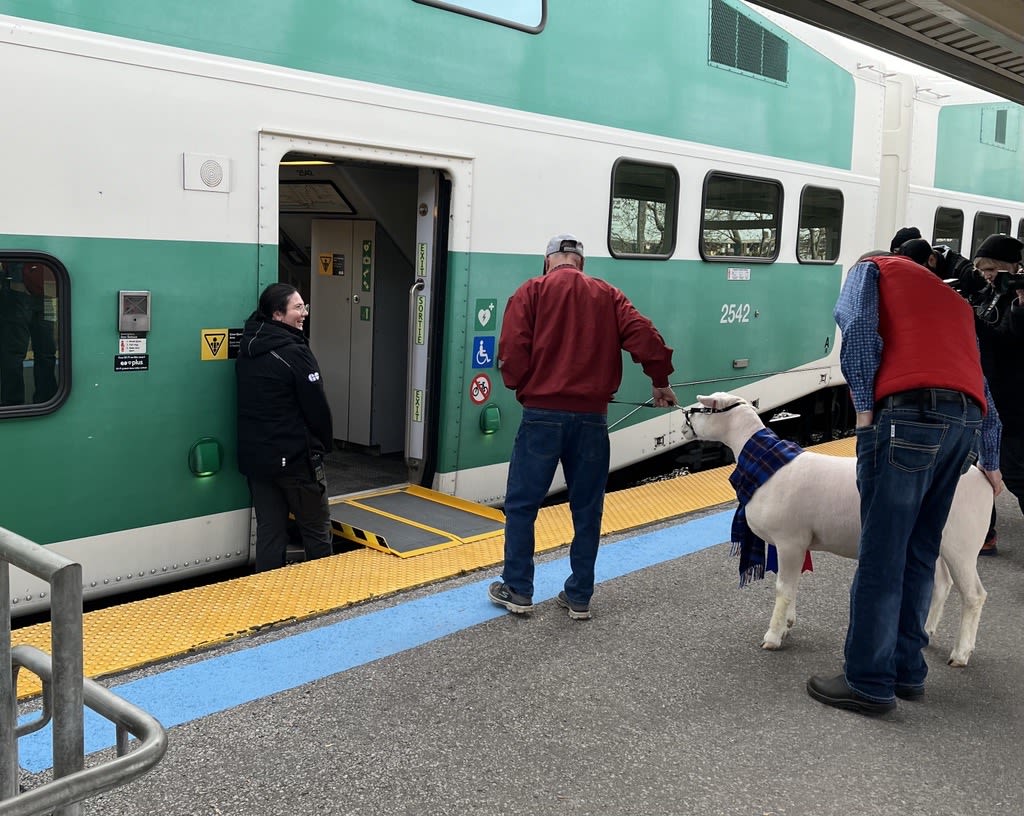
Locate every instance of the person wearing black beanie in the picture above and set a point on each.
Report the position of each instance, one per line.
(901, 237)
(1003, 248)
(919, 251)
(999, 319)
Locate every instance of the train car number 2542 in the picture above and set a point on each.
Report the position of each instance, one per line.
(735, 313)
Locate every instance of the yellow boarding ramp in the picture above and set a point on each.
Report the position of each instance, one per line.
(411, 520)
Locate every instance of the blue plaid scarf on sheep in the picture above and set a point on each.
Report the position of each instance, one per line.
(762, 455)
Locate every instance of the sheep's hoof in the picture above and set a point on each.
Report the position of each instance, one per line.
(958, 661)
(771, 645)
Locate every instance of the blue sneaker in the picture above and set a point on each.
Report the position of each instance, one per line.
(502, 594)
(577, 611)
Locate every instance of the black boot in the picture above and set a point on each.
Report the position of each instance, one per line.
(836, 692)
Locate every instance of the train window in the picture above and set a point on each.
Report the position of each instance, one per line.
(644, 201)
(999, 127)
(526, 15)
(821, 225)
(949, 228)
(986, 224)
(736, 41)
(35, 334)
(742, 217)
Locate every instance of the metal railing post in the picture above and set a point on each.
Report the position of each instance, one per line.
(8, 694)
(68, 671)
(61, 795)
(66, 692)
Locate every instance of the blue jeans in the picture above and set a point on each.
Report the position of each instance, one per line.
(908, 466)
(580, 443)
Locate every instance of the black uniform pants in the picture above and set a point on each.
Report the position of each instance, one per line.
(1011, 465)
(273, 499)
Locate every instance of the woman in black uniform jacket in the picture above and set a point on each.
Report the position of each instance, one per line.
(284, 428)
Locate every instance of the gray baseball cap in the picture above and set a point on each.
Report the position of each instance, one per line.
(565, 243)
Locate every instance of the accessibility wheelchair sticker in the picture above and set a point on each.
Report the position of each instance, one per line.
(483, 352)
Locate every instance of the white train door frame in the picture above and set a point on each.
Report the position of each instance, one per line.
(421, 298)
(433, 169)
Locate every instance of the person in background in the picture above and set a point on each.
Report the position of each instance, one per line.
(15, 317)
(919, 251)
(902, 236)
(910, 356)
(998, 309)
(27, 314)
(560, 349)
(284, 428)
(39, 284)
(992, 286)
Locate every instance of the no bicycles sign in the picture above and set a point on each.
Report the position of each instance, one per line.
(480, 389)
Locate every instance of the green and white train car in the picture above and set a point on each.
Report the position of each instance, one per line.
(403, 162)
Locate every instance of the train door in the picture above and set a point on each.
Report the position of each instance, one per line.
(359, 331)
(366, 243)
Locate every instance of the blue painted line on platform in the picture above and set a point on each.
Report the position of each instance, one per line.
(182, 694)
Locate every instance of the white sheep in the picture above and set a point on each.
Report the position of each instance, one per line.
(812, 503)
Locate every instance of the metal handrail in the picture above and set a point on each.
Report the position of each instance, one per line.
(66, 692)
(127, 718)
(65, 579)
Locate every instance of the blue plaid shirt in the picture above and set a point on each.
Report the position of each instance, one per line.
(856, 314)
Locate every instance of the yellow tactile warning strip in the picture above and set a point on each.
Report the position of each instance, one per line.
(143, 632)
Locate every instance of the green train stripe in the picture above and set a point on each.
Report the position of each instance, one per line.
(126, 436)
(687, 300)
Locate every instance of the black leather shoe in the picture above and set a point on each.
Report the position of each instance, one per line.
(834, 691)
(910, 692)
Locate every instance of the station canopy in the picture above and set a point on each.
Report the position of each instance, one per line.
(980, 42)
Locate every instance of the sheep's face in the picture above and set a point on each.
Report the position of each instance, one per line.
(711, 418)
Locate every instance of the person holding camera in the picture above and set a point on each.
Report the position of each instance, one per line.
(994, 286)
(284, 428)
(999, 311)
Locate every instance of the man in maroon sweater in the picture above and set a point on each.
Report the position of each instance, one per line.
(560, 349)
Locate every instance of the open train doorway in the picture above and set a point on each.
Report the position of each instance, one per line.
(365, 244)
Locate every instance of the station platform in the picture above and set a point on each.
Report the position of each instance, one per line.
(166, 626)
(431, 700)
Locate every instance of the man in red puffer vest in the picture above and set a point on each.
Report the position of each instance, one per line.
(910, 355)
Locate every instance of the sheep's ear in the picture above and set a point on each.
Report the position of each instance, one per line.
(707, 402)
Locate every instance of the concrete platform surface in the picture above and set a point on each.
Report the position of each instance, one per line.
(437, 702)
